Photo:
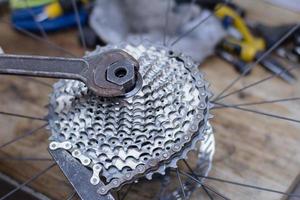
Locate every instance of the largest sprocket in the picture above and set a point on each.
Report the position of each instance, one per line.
(123, 139)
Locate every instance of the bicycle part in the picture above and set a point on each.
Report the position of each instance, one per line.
(196, 178)
(109, 74)
(138, 136)
(77, 175)
(203, 165)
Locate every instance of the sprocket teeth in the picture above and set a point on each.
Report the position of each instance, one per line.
(140, 135)
(205, 152)
(210, 116)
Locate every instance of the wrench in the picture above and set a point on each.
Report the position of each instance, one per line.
(110, 74)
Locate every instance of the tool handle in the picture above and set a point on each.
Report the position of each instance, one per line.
(241, 49)
(41, 66)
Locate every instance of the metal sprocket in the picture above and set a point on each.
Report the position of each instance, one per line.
(123, 139)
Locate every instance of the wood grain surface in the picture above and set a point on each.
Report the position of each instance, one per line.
(250, 148)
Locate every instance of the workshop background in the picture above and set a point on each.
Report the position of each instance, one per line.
(257, 144)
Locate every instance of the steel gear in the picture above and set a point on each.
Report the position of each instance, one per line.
(121, 140)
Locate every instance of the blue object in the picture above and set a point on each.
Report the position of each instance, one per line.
(24, 18)
(227, 22)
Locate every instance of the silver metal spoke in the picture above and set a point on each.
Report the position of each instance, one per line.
(255, 83)
(29, 133)
(257, 103)
(262, 113)
(27, 182)
(206, 188)
(208, 193)
(252, 65)
(22, 116)
(79, 25)
(38, 24)
(249, 186)
(36, 37)
(71, 196)
(166, 22)
(181, 185)
(198, 24)
(205, 185)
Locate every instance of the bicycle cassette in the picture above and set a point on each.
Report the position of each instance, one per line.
(122, 139)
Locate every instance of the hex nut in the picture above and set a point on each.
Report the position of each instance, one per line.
(122, 73)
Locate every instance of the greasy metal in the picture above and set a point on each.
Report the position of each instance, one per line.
(92, 70)
(205, 154)
(122, 73)
(78, 176)
(137, 136)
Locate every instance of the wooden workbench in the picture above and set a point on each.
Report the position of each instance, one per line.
(250, 148)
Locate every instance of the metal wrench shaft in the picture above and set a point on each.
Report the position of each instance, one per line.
(110, 74)
(41, 66)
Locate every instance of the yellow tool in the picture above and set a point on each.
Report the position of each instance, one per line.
(58, 8)
(250, 45)
(53, 10)
(250, 48)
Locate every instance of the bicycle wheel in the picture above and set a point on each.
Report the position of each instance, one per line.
(255, 158)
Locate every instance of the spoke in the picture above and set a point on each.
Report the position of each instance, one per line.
(181, 185)
(249, 186)
(202, 186)
(127, 191)
(38, 24)
(262, 113)
(79, 25)
(258, 103)
(161, 188)
(252, 65)
(166, 22)
(189, 167)
(207, 187)
(36, 37)
(190, 8)
(71, 196)
(46, 39)
(22, 116)
(207, 193)
(23, 136)
(198, 24)
(214, 191)
(27, 182)
(258, 82)
(118, 195)
(25, 159)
